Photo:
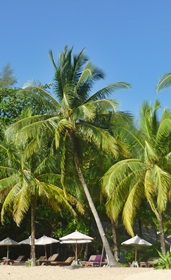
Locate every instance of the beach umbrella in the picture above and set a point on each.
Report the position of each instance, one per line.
(137, 242)
(26, 241)
(8, 242)
(76, 238)
(168, 241)
(45, 240)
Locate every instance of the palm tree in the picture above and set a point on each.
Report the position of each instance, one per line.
(23, 180)
(145, 175)
(72, 120)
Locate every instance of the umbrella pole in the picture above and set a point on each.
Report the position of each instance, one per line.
(45, 251)
(76, 252)
(7, 252)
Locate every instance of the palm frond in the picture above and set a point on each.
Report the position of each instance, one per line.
(164, 82)
(85, 111)
(131, 206)
(101, 138)
(119, 186)
(121, 171)
(163, 182)
(86, 74)
(8, 182)
(164, 128)
(104, 92)
(52, 59)
(106, 105)
(89, 74)
(78, 62)
(56, 197)
(150, 154)
(150, 191)
(9, 199)
(16, 128)
(133, 139)
(30, 148)
(21, 204)
(39, 94)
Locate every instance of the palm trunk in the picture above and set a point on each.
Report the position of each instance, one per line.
(33, 255)
(162, 239)
(111, 259)
(114, 237)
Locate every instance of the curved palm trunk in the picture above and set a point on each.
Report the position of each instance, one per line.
(111, 259)
(33, 255)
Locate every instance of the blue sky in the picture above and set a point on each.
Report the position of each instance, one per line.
(130, 40)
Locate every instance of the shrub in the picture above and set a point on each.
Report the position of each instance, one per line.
(163, 262)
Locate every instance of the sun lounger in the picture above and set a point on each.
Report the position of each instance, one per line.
(94, 260)
(40, 259)
(143, 264)
(48, 261)
(19, 260)
(6, 261)
(68, 261)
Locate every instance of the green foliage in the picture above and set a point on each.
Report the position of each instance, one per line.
(6, 78)
(70, 121)
(129, 181)
(163, 262)
(22, 176)
(14, 101)
(145, 174)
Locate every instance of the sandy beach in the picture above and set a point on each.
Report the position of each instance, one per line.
(68, 273)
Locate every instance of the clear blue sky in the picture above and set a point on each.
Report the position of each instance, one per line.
(130, 40)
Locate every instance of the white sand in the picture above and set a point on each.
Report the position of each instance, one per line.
(9, 272)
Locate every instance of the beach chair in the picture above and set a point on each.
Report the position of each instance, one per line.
(40, 259)
(94, 260)
(19, 260)
(151, 262)
(49, 260)
(143, 264)
(6, 261)
(68, 261)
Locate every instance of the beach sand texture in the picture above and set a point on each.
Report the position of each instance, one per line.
(10, 272)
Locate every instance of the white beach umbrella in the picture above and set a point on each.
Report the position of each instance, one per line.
(168, 241)
(75, 241)
(26, 241)
(8, 242)
(136, 241)
(45, 240)
(76, 238)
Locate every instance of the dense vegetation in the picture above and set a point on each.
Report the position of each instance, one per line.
(71, 160)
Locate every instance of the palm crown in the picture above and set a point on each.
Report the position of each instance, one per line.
(129, 181)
